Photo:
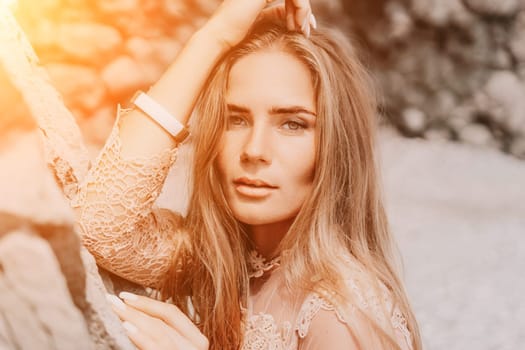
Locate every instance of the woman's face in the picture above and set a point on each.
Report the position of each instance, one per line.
(267, 155)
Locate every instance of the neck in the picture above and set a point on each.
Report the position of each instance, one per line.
(268, 236)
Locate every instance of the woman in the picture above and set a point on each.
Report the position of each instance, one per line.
(285, 244)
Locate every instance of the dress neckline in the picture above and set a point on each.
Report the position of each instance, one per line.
(259, 265)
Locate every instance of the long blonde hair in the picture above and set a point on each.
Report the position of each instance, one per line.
(342, 216)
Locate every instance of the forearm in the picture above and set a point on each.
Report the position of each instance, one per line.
(177, 91)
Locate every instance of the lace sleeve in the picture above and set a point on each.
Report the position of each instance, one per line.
(116, 215)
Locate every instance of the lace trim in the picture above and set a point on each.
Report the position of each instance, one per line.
(309, 309)
(314, 302)
(259, 265)
(399, 323)
(262, 333)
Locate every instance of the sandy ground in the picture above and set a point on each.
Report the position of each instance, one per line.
(459, 217)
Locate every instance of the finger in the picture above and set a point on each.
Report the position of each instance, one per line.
(143, 341)
(290, 15)
(148, 332)
(139, 339)
(277, 11)
(168, 313)
(313, 21)
(302, 15)
(148, 326)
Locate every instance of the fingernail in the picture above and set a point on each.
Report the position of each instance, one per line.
(313, 21)
(305, 25)
(128, 296)
(115, 301)
(128, 326)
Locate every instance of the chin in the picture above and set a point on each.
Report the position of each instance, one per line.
(259, 216)
(253, 218)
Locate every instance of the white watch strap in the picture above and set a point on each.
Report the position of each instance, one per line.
(155, 111)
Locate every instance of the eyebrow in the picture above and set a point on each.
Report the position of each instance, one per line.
(274, 110)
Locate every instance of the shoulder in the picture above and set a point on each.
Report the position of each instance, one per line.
(367, 312)
(322, 327)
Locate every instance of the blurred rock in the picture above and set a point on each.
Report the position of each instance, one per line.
(43, 33)
(503, 97)
(441, 13)
(400, 21)
(414, 121)
(88, 42)
(35, 304)
(494, 8)
(438, 134)
(31, 200)
(117, 6)
(461, 116)
(140, 48)
(175, 8)
(96, 128)
(158, 51)
(517, 147)
(477, 135)
(165, 50)
(80, 86)
(517, 40)
(123, 76)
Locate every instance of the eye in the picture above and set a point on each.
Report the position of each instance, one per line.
(294, 125)
(236, 121)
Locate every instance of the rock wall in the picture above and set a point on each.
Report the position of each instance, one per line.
(448, 69)
(98, 53)
(51, 293)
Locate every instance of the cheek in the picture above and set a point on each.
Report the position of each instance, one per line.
(300, 167)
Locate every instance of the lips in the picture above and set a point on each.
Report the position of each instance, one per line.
(252, 182)
(255, 188)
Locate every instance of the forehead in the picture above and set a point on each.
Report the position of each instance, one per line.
(270, 76)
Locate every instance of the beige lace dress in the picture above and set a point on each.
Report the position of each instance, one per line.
(131, 237)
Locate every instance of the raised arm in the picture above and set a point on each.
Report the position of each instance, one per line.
(115, 204)
(116, 217)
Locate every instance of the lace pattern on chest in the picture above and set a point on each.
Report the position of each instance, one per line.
(263, 333)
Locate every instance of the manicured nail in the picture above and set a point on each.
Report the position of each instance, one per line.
(129, 327)
(305, 28)
(127, 296)
(305, 25)
(115, 301)
(313, 21)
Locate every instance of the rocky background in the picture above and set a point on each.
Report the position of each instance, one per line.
(448, 70)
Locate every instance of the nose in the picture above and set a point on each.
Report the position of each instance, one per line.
(256, 148)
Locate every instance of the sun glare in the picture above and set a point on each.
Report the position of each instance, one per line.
(8, 3)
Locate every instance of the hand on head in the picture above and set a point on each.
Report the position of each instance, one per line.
(233, 19)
